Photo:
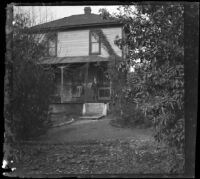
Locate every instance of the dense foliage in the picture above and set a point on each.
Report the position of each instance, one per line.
(32, 84)
(155, 49)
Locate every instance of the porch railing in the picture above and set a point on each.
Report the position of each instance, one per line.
(77, 92)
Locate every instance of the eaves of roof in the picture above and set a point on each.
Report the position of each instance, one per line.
(77, 59)
(62, 28)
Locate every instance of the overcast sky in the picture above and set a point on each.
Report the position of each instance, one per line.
(57, 12)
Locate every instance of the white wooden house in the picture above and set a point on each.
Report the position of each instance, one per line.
(79, 47)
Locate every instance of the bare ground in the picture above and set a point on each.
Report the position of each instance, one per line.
(92, 147)
(83, 130)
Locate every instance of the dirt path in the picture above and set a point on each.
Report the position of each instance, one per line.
(93, 130)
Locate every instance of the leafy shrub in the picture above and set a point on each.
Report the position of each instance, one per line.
(133, 116)
(31, 97)
(155, 37)
(32, 84)
(175, 161)
(127, 113)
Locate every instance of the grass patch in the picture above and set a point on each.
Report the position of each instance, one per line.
(122, 123)
(108, 157)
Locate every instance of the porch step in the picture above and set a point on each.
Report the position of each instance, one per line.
(95, 109)
(94, 117)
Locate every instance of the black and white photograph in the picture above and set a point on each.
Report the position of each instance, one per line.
(101, 89)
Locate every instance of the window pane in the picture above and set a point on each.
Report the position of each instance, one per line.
(104, 93)
(95, 47)
(52, 51)
(52, 44)
(94, 38)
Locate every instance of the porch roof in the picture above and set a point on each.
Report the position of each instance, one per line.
(77, 59)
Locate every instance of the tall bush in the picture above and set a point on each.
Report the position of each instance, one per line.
(154, 41)
(158, 83)
(32, 84)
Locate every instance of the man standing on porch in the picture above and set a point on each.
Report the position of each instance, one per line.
(95, 89)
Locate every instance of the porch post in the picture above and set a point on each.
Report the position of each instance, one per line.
(62, 82)
(86, 80)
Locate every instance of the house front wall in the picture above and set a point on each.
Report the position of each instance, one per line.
(73, 43)
(111, 34)
(76, 42)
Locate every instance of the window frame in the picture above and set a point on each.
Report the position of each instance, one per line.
(48, 46)
(104, 97)
(90, 44)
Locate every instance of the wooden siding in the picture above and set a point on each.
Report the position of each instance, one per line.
(111, 34)
(73, 43)
(76, 43)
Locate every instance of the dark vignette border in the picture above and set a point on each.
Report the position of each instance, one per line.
(191, 37)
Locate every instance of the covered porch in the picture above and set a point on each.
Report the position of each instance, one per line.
(81, 83)
(82, 86)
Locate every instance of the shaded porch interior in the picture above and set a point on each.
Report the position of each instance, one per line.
(81, 83)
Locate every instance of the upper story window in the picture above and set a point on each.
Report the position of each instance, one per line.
(95, 43)
(51, 44)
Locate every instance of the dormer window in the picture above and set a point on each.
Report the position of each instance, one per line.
(95, 44)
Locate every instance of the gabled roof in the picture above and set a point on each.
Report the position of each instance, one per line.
(81, 20)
